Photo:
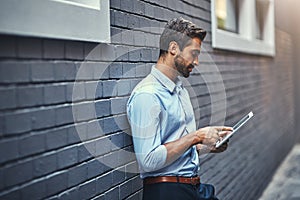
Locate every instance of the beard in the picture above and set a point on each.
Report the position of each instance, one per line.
(182, 66)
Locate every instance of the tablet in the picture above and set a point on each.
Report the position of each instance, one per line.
(235, 128)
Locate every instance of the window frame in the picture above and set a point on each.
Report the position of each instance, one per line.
(245, 40)
(56, 19)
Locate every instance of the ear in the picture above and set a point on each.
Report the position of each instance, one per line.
(173, 48)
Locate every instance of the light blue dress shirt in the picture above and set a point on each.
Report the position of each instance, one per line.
(160, 111)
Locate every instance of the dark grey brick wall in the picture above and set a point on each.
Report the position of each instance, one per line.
(47, 153)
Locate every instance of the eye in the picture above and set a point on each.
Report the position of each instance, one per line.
(195, 53)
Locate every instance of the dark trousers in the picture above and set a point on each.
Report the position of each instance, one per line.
(178, 191)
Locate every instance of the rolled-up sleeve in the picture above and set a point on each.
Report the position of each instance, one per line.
(143, 111)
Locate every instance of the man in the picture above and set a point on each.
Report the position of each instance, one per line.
(162, 119)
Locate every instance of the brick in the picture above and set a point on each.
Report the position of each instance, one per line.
(87, 190)
(86, 151)
(155, 54)
(111, 160)
(133, 21)
(127, 5)
(127, 36)
(30, 96)
(64, 71)
(141, 70)
(146, 55)
(35, 190)
(127, 139)
(92, 51)
(117, 141)
(145, 24)
(74, 50)
(90, 90)
(101, 71)
(109, 88)
(107, 52)
(53, 49)
(99, 90)
(85, 70)
(123, 87)
(8, 98)
(63, 115)
(112, 194)
(102, 146)
(115, 70)
(96, 167)
(116, 35)
(94, 129)
(137, 184)
(125, 190)
(139, 38)
(9, 150)
(122, 52)
(32, 144)
(17, 123)
(128, 70)
(149, 11)
(73, 137)
(131, 170)
(120, 18)
(75, 92)
(83, 111)
(115, 3)
(103, 108)
(13, 72)
(104, 182)
(77, 175)
(139, 7)
(41, 72)
(118, 105)
(29, 47)
(43, 118)
(135, 55)
(14, 174)
(67, 157)
(81, 131)
(56, 183)
(8, 46)
(110, 125)
(54, 93)
(118, 176)
(56, 138)
(44, 164)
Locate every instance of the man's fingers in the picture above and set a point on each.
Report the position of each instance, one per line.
(223, 128)
(224, 133)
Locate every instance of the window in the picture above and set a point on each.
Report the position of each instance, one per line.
(83, 20)
(243, 25)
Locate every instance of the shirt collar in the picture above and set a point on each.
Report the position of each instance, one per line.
(165, 81)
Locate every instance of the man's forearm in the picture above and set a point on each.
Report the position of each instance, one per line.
(176, 148)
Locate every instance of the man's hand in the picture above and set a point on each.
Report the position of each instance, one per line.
(208, 136)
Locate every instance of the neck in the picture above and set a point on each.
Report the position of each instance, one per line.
(167, 67)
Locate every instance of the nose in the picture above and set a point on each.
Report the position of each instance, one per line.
(196, 61)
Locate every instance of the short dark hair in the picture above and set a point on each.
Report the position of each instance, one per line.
(181, 31)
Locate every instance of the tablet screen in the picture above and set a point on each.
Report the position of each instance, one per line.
(235, 128)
